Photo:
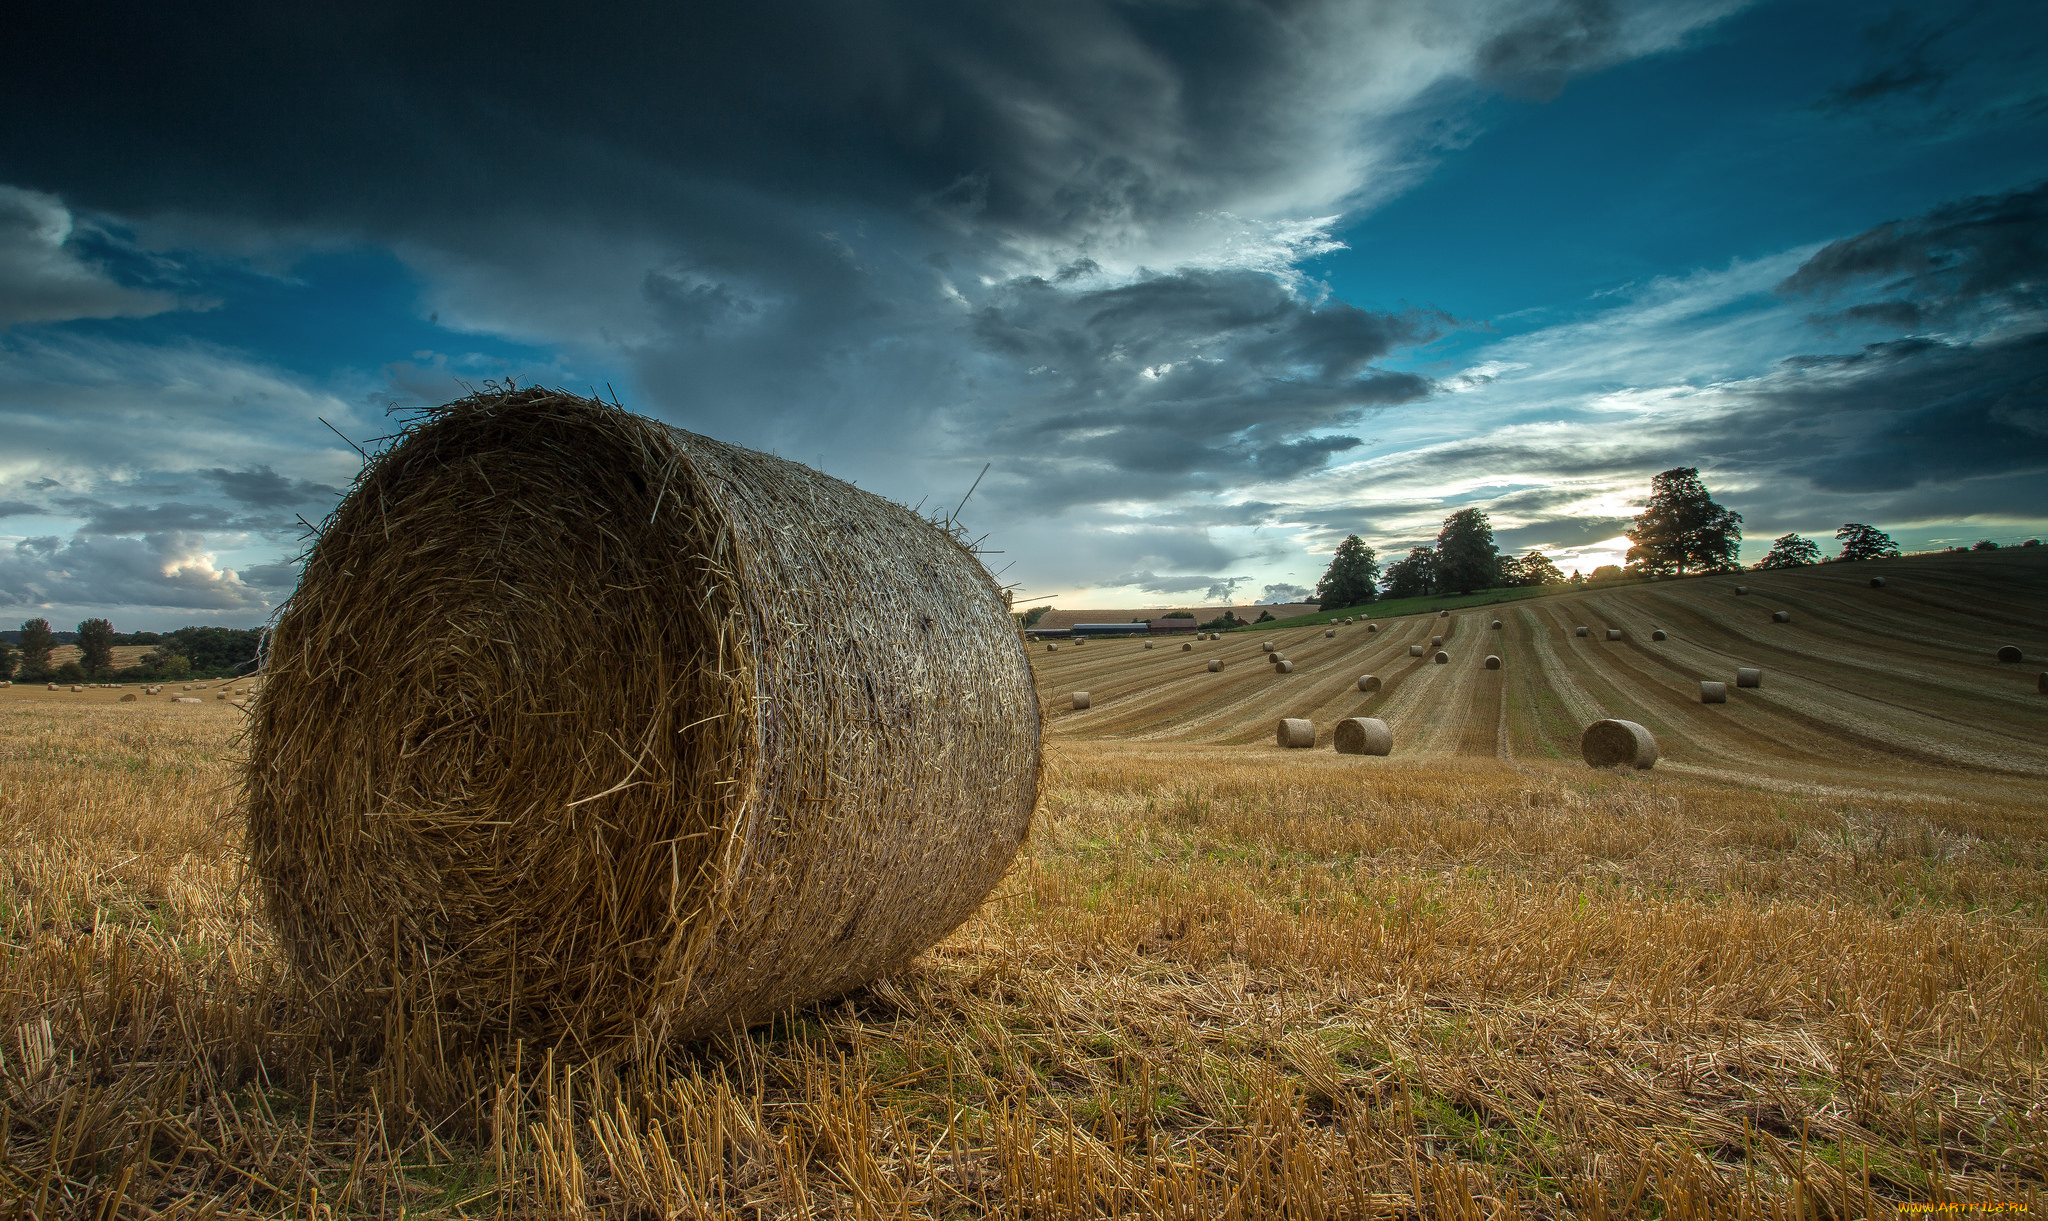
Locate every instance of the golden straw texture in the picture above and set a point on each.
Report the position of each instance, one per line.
(586, 729)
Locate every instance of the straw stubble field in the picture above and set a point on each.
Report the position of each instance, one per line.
(1221, 980)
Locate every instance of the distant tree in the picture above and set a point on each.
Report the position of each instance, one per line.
(1466, 558)
(96, 647)
(1353, 578)
(1576, 578)
(1985, 544)
(1861, 542)
(1607, 572)
(1264, 617)
(2032, 542)
(1035, 614)
(1682, 529)
(1533, 568)
(1223, 622)
(7, 659)
(1790, 551)
(162, 665)
(1411, 576)
(36, 643)
(214, 651)
(70, 672)
(1178, 615)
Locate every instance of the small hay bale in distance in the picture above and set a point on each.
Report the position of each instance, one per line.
(1496, 625)
(1363, 735)
(1748, 676)
(1080, 700)
(1877, 582)
(1285, 667)
(1658, 634)
(1580, 631)
(1618, 743)
(1372, 627)
(720, 818)
(1414, 650)
(1052, 646)
(1328, 632)
(128, 698)
(1368, 682)
(1185, 647)
(1295, 733)
(1712, 692)
(1268, 646)
(2042, 684)
(1443, 614)
(1436, 642)
(1148, 644)
(1742, 591)
(1216, 665)
(1442, 657)
(1492, 661)
(1614, 633)
(186, 699)
(1781, 616)
(2010, 653)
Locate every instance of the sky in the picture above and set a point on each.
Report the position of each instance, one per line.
(1206, 286)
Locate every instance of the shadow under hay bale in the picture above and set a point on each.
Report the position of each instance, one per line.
(1296, 733)
(572, 733)
(1617, 743)
(1749, 676)
(1368, 682)
(1363, 735)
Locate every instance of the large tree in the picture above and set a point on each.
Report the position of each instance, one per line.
(36, 643)
(1790, 551)
(96, 647)
(1466, 558)
(1353, 578)
(6, 659)
(1413, 575)
(1861, 542)
(1682, 529)
(1534, 568)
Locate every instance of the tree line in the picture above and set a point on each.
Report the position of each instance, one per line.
(189, 652)
(1682, 531)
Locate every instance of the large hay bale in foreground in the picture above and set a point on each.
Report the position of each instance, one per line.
(1749, 676)
(1296, 733)
(1616, 743)
(1363, 735)
(584, 729)
(2010, 653)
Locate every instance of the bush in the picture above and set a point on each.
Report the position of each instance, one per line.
(70, 672)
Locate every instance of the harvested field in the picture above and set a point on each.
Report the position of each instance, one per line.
(1794, 970)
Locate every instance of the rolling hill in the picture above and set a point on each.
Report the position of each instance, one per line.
(1900, 681)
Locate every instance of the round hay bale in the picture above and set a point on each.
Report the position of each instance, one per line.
(1414, 650)
(1296, 733)
(1368, 682)
(1442, 657)
(1285, 667)
(186, 699)
(1052, 646)
(1372, 627)
(1492, 662)
(1268, 645)
(1616, 743)
(1496, 625)
(613, 796)
(1713, 692)
(1781, 616)
(1328, 632)
(2042, 684)
(1578, 631)
(1363, 735)
(1436, 642)
(1877, 582)
(1080, 700)
(1614, 633)
(1276, 658)
(2010, 652)
(1148, 644)
(128, 698)
(1742, 591)
(75, 688)
(1078, 641)
(1443, 614)
(1658, 634)
(1216, 665)
(1349, 619)
(1748, 676)
(1185, 647)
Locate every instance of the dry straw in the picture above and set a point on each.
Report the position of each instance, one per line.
(1296, 733)
(1712, 692)
(1363, 735)
(572, 732)
(1080, 700)
(1617, 743)
(1748, 676)
(1492, 662)
(2010, 652)
(1368, 682)
(1781, 616)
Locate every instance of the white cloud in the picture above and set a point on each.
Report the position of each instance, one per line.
(43, 275)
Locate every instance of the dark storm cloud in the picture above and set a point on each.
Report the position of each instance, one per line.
(20, 508)
(1549, 45)
(168, 569)
(1988, 253)
(1212, 589)
(1901, 57)
(263, 488)
(102, 518)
